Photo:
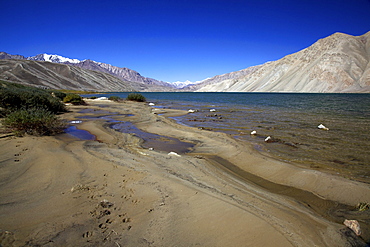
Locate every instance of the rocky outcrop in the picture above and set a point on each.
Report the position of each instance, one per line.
(4, 55)
(336, 64)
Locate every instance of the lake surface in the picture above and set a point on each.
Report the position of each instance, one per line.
(291, 119)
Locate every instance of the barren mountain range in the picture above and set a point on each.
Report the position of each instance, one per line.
(59, 72)
(335, 64)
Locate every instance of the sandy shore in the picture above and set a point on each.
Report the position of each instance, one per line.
(61, 191)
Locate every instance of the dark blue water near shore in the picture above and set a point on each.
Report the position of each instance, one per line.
(291, 120)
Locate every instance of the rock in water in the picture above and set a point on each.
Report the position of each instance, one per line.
(268, 139)
(354, 226)
(322, 127)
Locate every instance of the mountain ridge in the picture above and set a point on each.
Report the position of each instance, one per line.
(125, 74)
(62, 76)
(338, 63)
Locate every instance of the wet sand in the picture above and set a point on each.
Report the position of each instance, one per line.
(112, 191)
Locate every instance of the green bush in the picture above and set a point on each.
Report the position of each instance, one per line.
(34, 121)
(93, 97)
(74, 99)
(114, 98)
(30, 110)
(136, 97)
(14, 98)
(58, 94)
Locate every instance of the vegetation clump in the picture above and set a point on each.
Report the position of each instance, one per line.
(58, 94)
(74, 99)
(136, 97)
(34, 121)
(362, 206)
(13, 98)
(115, 98)
(30, 110)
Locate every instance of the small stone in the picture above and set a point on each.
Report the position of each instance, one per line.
(254, 132)
(174, 154)
(354, 226)
(76, 122)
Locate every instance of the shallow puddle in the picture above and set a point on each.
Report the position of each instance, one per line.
(80, 134)
(157, 142)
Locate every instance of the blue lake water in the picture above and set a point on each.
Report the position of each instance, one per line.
(291, 119)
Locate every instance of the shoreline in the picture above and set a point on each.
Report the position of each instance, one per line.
(159, 199)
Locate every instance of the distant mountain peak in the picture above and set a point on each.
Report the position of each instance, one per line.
(53, 58)
(182, 84)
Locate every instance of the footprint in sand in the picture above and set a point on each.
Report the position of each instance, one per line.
(126, 220)
(16, 159)
(103, 213)
(103, 226)
(18, 145)
(87, 234)
(19, 154)
(6, 238)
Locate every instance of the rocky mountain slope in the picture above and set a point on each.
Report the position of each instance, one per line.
(124, 74)
(336, 64)
(63, 76)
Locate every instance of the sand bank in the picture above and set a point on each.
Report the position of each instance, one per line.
(61, 191)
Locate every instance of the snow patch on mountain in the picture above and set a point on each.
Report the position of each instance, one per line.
(53, 58)
(182, 84)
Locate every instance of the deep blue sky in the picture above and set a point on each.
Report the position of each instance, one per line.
(176, 40)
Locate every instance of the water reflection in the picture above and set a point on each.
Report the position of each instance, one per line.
(80, 134)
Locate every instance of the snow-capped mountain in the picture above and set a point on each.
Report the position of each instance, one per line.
(124, 74)
(182, 84)
(53, 58)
